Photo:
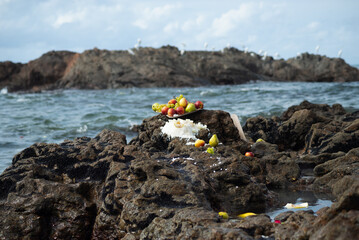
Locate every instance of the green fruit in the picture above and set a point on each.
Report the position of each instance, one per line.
(190, 107)
(213, 141)
(179, 98)
(155, 106)
(210, 150)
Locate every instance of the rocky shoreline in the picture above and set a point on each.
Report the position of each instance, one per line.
(165, 67)
(154, 187)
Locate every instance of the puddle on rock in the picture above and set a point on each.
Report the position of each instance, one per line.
(315, 201)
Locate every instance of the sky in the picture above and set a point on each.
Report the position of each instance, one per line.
(281, 28)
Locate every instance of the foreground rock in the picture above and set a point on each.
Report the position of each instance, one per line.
(165, 67)
(155, 187)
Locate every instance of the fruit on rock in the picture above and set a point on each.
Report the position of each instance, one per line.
(244, 215)
(224, 215)
(183, 102)
(210, 150)
(172, 101)
(155, 107)
(199, 104)
(260, 140)
(180, 110)
(190, 107)
(180, 104)
(199, 143)
(171, 112)
(164, 110)
(213, 141)
(249, 154)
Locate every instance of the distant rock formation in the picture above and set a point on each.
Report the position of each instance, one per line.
(166, 67)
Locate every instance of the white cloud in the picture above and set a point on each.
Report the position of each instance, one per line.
(276, 26)
(232, 19)
(81, 11)
(171, 27)
(149, 16)
(272, 11)
(69, 17)
(193, 23)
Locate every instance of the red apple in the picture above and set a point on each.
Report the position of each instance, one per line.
(183, 102)
(164, 110)
(172, 101)
(249, 154)
(199, 104)
(180, 110)
(171, 112)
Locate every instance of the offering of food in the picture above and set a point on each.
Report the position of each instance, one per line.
(177, 106)
(183, 129)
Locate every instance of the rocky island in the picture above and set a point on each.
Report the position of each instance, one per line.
(156, 187)
(165, 67)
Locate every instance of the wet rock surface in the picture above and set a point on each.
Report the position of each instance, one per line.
(157, 187)
(165, 67)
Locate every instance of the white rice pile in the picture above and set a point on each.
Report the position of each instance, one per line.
(182, 128)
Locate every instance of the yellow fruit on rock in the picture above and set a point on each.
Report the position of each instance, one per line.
(199, 143)
(213, 141)
(224, 215)
(244, 215)
(210, 150)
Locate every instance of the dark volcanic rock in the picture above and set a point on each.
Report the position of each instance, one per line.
(218, 122)
(7, 70)
(337, 222)
(157, 187)
(101, 188)
(165, 67)
(51, 191)
(42, 73)
(313, 128)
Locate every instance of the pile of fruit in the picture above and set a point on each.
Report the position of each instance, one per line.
(213, 142)
(178, 105)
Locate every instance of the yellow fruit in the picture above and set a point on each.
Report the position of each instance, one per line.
(213, 141)
(199, 143)
(210, 150)
(260, 140)
(155, 106)
(244, 215)
(224, 215)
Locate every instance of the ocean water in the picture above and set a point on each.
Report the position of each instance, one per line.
(52, 117)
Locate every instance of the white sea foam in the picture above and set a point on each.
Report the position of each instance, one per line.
(4, 90)
(82, 129)
(96, 105)
(22, 100)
